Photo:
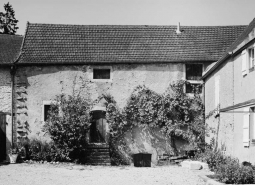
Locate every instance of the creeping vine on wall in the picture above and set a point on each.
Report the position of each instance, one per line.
(174, 112)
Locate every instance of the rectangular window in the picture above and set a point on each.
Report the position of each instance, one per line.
(194, 71)
(101, 73)
(46, 112)
(193, 76)
(194, 87)
(251, 58)
(46, 105)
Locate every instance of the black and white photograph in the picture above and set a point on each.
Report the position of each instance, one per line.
(127, 92)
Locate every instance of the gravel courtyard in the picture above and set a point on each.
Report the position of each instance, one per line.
(55, 174)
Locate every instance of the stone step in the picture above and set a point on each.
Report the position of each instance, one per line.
(98, 161)
(97, 149)
(97, 154)
(98, 146)
(99, 164)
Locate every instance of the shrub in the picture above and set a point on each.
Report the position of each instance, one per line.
(233, 173)
(227, 169)
(68, 123)
(212, 158)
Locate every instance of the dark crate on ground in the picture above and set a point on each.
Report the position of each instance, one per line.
(142, 160)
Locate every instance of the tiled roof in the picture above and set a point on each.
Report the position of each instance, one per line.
(237, 45)
(54, 43)
(243, 36)
(9, 48)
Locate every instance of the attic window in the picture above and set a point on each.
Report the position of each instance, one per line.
(194, 71)
(193, 76)
(101, 73)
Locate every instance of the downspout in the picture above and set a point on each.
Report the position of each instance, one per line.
(13, 70)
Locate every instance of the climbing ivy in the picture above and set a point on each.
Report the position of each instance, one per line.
(174, 112)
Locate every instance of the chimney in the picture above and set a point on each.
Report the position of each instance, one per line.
(178, 31)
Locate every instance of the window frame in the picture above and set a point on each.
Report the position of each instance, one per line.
(46, 102)
(101, 80)
(250, 59)
(193, 81)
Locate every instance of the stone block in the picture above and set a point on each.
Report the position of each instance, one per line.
(194, 165)
(204, 166)
(185, 164)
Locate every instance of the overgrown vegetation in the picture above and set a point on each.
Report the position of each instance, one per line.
(8, 22)
(174, 112)
(67, 125)
(227, 169)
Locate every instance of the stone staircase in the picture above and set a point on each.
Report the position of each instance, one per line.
(98, 154)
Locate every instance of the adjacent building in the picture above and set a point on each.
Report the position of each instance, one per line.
(9, 50)
(230, 93)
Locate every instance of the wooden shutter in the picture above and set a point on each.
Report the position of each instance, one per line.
(244, 62)
(246, 127)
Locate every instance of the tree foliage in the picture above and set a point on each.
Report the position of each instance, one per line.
(8, 22)
(68, 123)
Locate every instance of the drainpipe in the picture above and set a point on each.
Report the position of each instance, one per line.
(12, 101)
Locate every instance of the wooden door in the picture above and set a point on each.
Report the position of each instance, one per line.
(98, 128)
(2, 137)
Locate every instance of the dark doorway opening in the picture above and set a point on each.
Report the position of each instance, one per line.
(98, 127)
(2, 137)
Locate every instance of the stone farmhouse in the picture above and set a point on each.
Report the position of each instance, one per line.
(229, 88)
(95, 59)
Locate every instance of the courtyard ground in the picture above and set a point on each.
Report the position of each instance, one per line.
(56, 174)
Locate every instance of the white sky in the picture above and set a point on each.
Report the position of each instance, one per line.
(133, 12)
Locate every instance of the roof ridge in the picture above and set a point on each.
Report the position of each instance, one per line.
(138, 25)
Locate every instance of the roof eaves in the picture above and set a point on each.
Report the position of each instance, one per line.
(235, 47)
(218, 63)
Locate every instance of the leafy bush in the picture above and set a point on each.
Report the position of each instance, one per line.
(68, 123)
(227, 169)
(233, 173)
(214, 159)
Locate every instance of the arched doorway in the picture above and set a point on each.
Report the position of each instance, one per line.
(99, 125)
(98, 128)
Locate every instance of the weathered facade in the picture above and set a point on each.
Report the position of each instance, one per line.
(229, 88)
(92, 60)
(9, 49)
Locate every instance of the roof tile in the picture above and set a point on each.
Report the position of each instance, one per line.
(55, 43)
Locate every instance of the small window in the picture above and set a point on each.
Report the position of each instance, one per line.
(251, 58)
(194, 71)
(46, 112)
(193, 87)
(193, 76)
(101, 73)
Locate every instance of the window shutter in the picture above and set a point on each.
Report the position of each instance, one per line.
(244, 62)
(246, 127)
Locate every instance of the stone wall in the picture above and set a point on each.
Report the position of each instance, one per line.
(42, 83)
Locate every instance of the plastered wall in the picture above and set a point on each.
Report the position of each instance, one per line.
(234, 88)
(222, 126)
(42, 83)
